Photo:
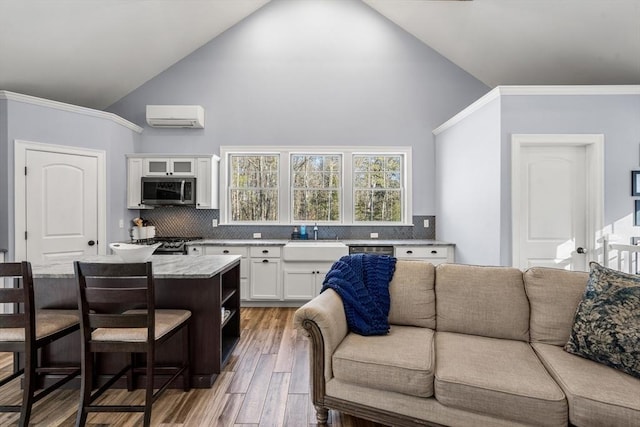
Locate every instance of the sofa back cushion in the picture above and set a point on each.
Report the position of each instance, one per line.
(487, 301)
(413, 299)
(554, 295)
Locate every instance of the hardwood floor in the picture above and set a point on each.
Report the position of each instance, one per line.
(265, 383)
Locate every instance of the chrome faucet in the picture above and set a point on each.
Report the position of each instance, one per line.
(315, 231)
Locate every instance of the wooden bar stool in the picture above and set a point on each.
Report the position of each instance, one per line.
(118, 314)
(26, 332)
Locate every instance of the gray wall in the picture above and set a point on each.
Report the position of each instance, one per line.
(468, 192)
(615, 116)
(480, 146)
(311, 72)
(36, 123)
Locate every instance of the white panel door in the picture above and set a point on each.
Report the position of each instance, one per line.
(553, 207)
(61, 205)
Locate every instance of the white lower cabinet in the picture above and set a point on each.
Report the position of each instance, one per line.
(265, 283)
(265, 279)
(303, 280)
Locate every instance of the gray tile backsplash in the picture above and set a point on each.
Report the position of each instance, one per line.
(189, 222)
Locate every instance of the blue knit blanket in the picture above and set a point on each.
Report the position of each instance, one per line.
(362, 281)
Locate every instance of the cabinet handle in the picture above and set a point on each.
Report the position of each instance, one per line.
(265, 260)
(226, 251)
(409, 252)
(434, 252)
(265, 251)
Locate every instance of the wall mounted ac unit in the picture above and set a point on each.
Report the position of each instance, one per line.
(175, 116)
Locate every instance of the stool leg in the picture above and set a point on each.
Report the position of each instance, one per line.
(31, 360)
(85, 388)
(148, 399)
(130, 379)
(186, 358)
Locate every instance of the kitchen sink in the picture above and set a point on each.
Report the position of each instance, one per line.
(314, 250)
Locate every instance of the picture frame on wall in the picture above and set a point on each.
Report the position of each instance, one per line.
(636, 213)
(635, 183)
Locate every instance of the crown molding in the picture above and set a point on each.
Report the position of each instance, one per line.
(13, 96)
(499, 91)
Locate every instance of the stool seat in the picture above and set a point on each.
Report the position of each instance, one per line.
(48, 322)
(166, 320)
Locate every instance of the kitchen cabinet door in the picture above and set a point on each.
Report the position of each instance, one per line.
(207, 182)
(167, 166)
(265, 279)
(303, 280)
(134, 186)
(299, 284)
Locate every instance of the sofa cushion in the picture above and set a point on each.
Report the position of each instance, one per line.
(486, 301)
(413, 299)
(607, 323)
(597, 395)
(502, 378)
(401, 361)
(554, 295)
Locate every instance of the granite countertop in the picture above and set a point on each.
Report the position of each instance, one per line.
(348, 242)
(164, 266)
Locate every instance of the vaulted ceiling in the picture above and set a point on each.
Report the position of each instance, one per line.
(93, 53)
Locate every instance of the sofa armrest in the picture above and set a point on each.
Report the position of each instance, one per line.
(323, 320)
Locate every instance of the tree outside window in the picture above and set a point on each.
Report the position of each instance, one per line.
(253, 192)
(377, 188)
(316, 187)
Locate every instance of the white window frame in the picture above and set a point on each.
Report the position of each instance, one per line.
(284, 197)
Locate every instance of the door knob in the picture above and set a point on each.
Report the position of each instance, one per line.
(91, 243)
(581, 250)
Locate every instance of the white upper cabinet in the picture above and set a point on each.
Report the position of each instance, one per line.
(170, 167)
(203, 167)
(135, 171)
(207, 182)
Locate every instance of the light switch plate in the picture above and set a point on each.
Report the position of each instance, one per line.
(373, 235)
(257, 235)
(426, 223)
(214, 222)
(121, 223)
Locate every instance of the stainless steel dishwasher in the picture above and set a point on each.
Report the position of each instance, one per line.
(373, 249)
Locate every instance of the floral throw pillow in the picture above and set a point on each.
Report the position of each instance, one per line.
(606, 328)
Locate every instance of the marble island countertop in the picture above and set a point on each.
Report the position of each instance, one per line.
(164, 266)
(348, 242)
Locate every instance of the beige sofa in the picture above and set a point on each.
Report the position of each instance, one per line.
(468, 346)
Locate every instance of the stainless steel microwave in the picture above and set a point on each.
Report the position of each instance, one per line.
(168, 191)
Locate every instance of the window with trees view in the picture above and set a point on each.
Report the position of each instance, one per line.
(315, 187)
(377, 188)
(327, 185)
(253, 189)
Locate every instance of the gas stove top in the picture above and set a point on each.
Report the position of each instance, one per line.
(170, 245)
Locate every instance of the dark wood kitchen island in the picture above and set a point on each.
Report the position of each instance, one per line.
(202, 284)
